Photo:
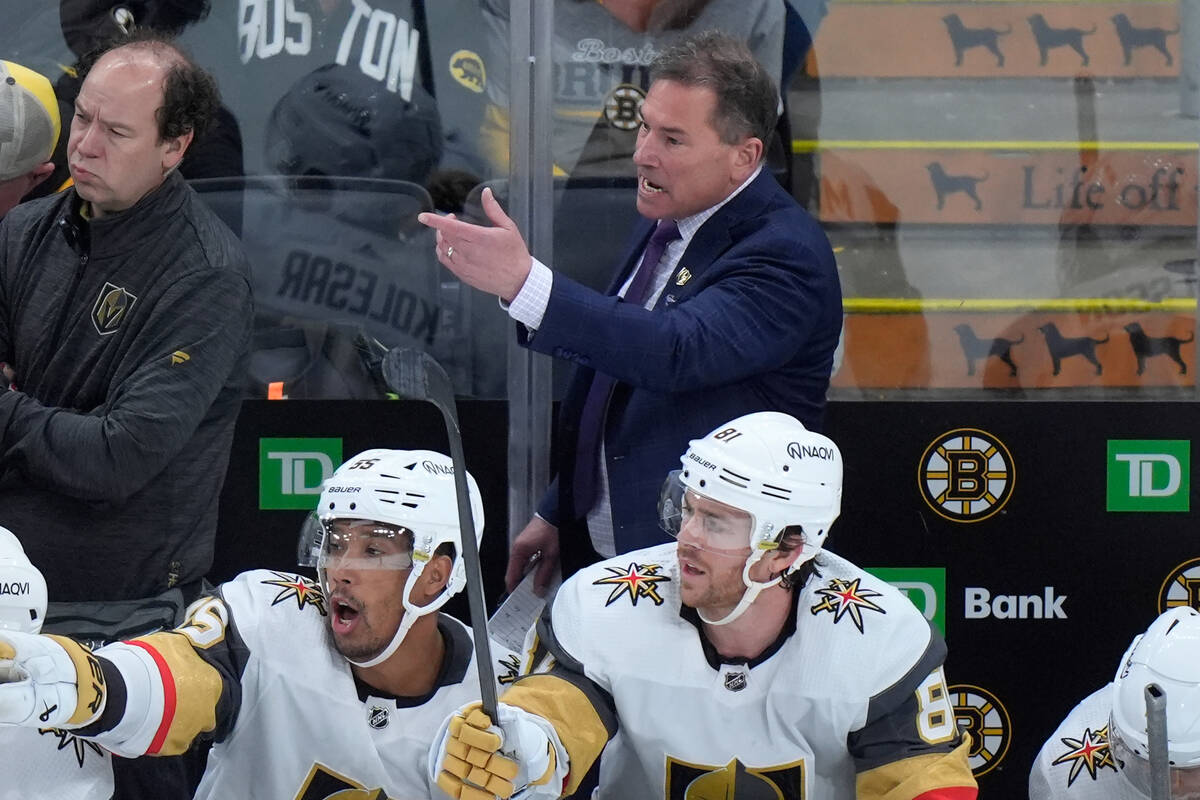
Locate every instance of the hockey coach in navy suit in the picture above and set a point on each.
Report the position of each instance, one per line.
(727, 302)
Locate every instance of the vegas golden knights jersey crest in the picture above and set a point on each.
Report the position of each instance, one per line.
(112, 306)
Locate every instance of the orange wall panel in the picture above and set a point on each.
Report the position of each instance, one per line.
(998, 40)
(1039, 187)
(913, 351)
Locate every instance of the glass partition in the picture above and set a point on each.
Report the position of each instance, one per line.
(1010, 188)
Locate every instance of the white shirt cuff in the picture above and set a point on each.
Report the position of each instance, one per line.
(529, 306)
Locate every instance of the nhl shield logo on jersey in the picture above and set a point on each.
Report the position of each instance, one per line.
(979, 713)
(1089, 751)
(734, 781)
(112, 306)
(378, 717)
(846, 599)
(304, 591)
(1181, 587)
(636, 580)
(736, 679)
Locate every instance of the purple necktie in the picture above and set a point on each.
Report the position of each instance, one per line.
(591, 417)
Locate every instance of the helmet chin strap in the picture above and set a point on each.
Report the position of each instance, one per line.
(411, 614)
(753, 588)
(405, 624)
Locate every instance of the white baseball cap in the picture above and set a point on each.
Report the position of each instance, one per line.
(29, 121)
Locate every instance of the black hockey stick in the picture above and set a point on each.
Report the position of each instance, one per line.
(1156, 742)
(416, 375)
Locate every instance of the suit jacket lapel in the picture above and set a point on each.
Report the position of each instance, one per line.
(715, 236)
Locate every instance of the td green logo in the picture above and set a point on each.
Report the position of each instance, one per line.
(291, 471)
(924, 586)
(1149, 475)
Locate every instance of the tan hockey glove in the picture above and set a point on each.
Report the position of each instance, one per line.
(483, 761)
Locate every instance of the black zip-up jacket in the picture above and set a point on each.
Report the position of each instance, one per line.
(127, 335)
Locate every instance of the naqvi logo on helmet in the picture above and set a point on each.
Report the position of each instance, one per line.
(800, 451)
(112, 306)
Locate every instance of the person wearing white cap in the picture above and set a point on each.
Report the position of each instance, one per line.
(29, 129)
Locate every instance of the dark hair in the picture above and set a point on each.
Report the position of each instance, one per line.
(792, 538)
(747, 100)
(190, 95)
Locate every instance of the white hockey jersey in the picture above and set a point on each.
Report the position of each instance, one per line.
(850, 701)
(1076, 763)
(52, 763)
(254, 666)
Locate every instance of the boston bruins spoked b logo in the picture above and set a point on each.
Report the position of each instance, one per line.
(623, 108)
(1181, 587)
(979, 713)
(966, 475)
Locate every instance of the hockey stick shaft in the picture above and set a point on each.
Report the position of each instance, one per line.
(416, 375)
(1156, 740)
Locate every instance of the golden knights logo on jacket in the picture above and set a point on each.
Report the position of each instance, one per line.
(112, 306)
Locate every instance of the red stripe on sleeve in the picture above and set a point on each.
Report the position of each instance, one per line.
(950, 793)
(169, 699)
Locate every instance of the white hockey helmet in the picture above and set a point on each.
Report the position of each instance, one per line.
(770, 466)
(1167, 654)
(22, 588)
(411, 493)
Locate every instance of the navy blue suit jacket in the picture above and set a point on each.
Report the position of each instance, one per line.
(753, 328)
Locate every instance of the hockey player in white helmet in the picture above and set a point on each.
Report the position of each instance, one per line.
(22, 588)
(1100, 751)
(308, 689)
(741, 661)
(43, 762)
